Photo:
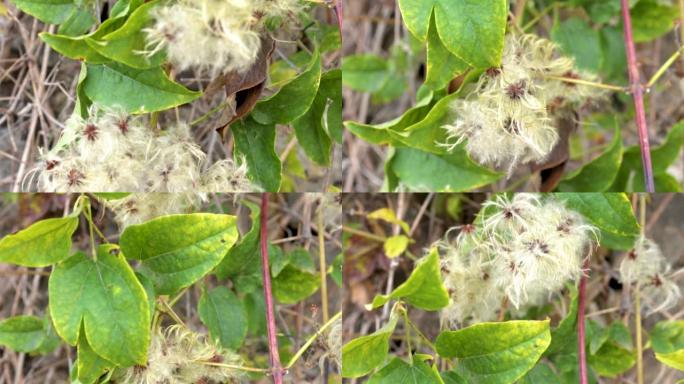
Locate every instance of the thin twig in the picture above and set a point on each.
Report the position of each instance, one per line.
(581, 352)
(638, 95)
(322, 264)
(276, 368)
(311, 339)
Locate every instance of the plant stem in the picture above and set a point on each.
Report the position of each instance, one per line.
(519, 11)
(661, 71)
(311, 339)
(89, 218)
(364, 234)
(588, 83)
(581, 352)
(230, 366)
(638, 95)
(637, 300)
(322, 264)
(276, 368)
(407, 325)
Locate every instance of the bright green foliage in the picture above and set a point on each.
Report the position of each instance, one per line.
(564, 336)
(667, 341)
(135, 90)
(224, 315)
(442, 65)
(423, 289)
(400, 372)
(293, 99)
(48, 11)
(244, 258)
(599, 174)
(255, 144)
(496, 353)
(127, 44)
(650, 19)
(293, 285)
(631, 178)
(104, 297)
(454, 172)
(610, 212)
(22, 333)
(364, 73)
(177, 250)
(90, 365)
(363, 354)
(43, 243)
(323, 121)
(472, 30)
(610, 352)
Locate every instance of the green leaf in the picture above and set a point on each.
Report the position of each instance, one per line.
(255, 144)
(22, 333)
(667, 341)
(365, 73)
(315, 128)
(224, 315)
(611, 360)
(454, 172)
(336, 269)
(540, 374)
(577, 39)
(423, 289)
(280, 108)
(631, 178)
(74, 48)
(651, 20)
(43, 243)
(127, 44)
(597, 175)
(363, 354)
(395, 245)
(399, 371)
(137, 91)
(293, 285)
(451, 377)
(48, 11)
(177, 250)
(79, 22)
(442, 66)
(564, 336)
(90, 365)
(496, 353)
(244, 258)
(473, 31)
(148, 286)
(105, 298)
(609, 212)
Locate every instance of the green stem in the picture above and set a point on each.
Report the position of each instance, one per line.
(89, 218)
(236, 367)
(311, 339)
(661, 71)
(322, 264)
(208, 114)
(363, 234)
(588, 83)
(424, 338)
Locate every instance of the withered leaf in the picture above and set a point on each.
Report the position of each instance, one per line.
(244, 88)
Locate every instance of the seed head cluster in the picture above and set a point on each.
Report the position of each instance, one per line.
(214, 36)
(521, 250)
(646, 266)
(508, 118)
(179, 356)
(111, 151)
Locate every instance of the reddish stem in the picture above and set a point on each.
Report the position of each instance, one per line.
(338, 12)
(580, 324)
(268, 295)
(638, 95)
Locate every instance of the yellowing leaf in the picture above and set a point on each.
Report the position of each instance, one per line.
(396, 245)
(389, 216)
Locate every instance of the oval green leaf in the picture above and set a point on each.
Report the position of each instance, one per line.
(104, 297)
(423, 289)
(399, 371)
(224, 315)
(496, 353)
(43, 243)
(363, 354)
(135, 90)
(177, 250)
(22, 333)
